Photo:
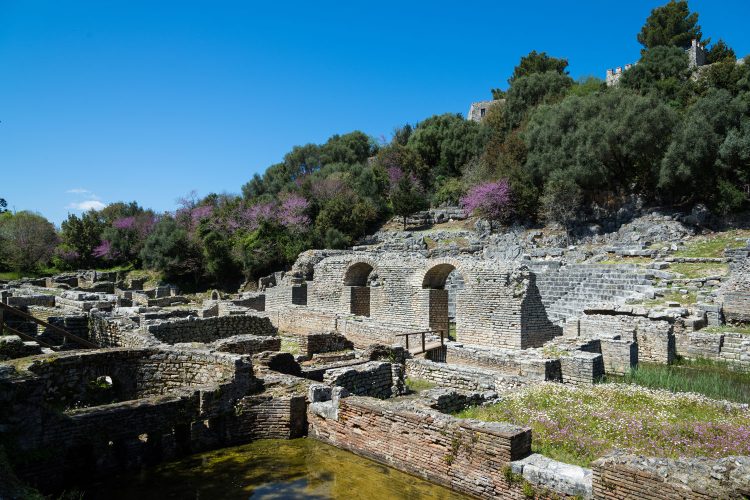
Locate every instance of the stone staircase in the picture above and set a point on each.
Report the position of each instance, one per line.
(568, 291)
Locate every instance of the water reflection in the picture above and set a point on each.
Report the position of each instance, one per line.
(270, 469)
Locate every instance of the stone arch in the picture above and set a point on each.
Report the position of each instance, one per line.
(357, 281)
(358, 273)
(441, 282)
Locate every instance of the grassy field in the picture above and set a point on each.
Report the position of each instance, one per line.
(417, 384)
(715, 379)
(714, 245)
(577, 425)
(699, 269)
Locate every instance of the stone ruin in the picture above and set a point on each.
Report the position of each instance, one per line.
(323, 350)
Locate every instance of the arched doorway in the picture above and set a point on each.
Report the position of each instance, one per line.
(444, 281)
(356, 280)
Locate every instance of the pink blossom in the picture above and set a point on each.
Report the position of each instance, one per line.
(293, 212)
(103, 250)
(491, 200)
(124, 223)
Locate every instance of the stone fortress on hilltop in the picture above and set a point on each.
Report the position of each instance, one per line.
(696, 60)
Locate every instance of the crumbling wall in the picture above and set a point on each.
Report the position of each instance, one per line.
(193, 329)
(376, 379)
(622, 476)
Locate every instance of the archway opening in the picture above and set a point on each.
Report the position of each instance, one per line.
(356, 280)
(445, 282)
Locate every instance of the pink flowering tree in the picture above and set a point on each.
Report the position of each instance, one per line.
(293, 213)
(490, 200)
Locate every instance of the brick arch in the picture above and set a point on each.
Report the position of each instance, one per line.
(357, 272)
(436, 271)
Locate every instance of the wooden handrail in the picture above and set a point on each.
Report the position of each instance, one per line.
(26, 336)
(57, 329)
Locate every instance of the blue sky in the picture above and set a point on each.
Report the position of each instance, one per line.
(148, 100)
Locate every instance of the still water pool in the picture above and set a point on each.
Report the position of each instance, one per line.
(270, 469)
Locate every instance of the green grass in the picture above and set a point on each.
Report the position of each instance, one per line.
(290, 345)
(10, 275)
(727, 329)
(684, 299)
(417, 384)
(699, 269)
(715, 379)
(627, 260)
(714, 245)
(432, 243)
(580, 424)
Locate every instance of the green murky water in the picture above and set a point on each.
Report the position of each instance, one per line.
(270, 469)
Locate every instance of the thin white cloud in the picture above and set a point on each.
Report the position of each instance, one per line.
(78, 191)
(87, 205)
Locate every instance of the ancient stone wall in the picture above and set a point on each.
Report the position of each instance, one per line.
(376, 379)
(621, 477)
(730, 347)
(247, 344)
(655, 338)
(315, 343)
(466, 456)
(528, 365)
(461, 377)
(360, 300)
(581, 368)
(193, 329)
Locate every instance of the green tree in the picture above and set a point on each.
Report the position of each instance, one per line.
(27, 240)
(351, 148)
(671, 24)
(83, 234)
(168, 249)
(719, 52)
(604, 142)
(561, 201)
(690, 168)
(445, 143)
(527, 92)
(538, 62)
(407, 198)
(662, 71)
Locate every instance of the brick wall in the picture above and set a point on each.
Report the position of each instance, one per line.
(360, 300)
(463, 455)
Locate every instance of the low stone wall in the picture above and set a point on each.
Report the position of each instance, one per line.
(193, 329)
(464, 455)
(270, 417)
(247, 344)
(301, 320)
(31, 300)
(737, 306)
(512, 362)
(315, 343)
(619, 356)
(375, 379)
(108, 331)
(581, 368)
(626, 476)
(12, 347)
(655, 338)
(731, 347)
(461, 377)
